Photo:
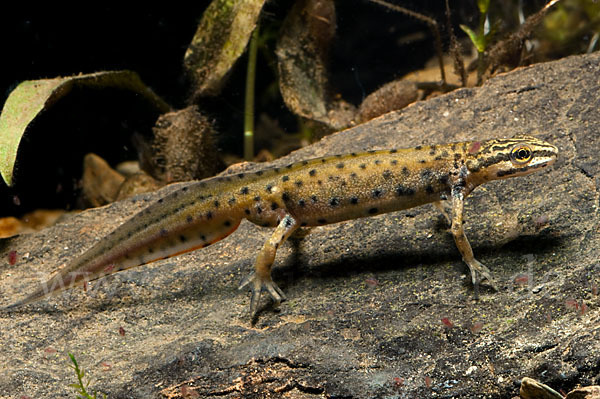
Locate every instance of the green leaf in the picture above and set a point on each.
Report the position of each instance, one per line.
(31, 97)
(483, 5)
(478, 41)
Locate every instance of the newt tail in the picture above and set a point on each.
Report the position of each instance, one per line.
(307, 193)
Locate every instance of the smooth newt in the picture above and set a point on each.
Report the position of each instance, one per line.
(308, 193)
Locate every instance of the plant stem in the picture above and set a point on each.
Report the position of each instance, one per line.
(249, 101)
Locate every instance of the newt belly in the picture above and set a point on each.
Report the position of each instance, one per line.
(307, 193)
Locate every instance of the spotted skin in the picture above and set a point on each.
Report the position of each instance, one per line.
(307, 193)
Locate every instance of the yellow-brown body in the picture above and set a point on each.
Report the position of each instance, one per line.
(308, 193)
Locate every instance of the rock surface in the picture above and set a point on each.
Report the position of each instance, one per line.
(378, 307)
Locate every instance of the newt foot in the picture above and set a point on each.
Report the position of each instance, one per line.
(257, 285)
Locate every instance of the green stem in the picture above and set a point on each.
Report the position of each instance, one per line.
(249, 102)
(481, 53)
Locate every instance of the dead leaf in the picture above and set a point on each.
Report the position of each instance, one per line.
(31, 97)
(221, 38)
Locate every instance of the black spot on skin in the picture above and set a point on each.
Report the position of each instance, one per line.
(338, 155)
(377, 162)
(184, 189)
(418, 147)
(394, 162)
(288, 222)
(209, 215)
(371, 151)
(258, 210)
(331, 178)
(322, 221)
(426, 174)
(182, 238)
(353, 154)
(290, 166)
(160, 201)
(304, 162)
(422, 161)
(353, 175)
(227, 223)
(257, 198)
(285, 197)
(314, 198)
(403, 190)
(377, 193)
(340, 165)
(189, 219)
(259, 173)
(372, 211)
(216, 204)
(334, 201)
(457, 156)
(387, 174)
(303, 224)
(274, 206)
(269, 188)
(150, 250)
(362, 166)
(240, 175)
(244, 190)
(405, 171)
(438, 158)
(319, 182)
(231, 201)
(429, 189)
(203, 237)
(247, 211)
(323, 160)
(163, 232)
(301, 202)
(298, 183)
(354, 200)
(285, 178)
(393, 151)
(312, 172)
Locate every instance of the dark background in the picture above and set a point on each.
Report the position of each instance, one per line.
(373, 46)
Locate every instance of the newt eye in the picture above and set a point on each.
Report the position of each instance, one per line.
(521, 154)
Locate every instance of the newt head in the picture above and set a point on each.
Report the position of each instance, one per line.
(503, 158)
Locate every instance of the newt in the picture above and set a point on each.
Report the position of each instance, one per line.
(314, 192)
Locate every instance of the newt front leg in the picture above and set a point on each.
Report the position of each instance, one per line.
(261, 277)
(479, 271)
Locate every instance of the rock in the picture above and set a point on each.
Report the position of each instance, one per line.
(591, 392)
(532, 389)
(186, 321)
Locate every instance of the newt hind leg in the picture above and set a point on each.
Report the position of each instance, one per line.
(261, 277)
